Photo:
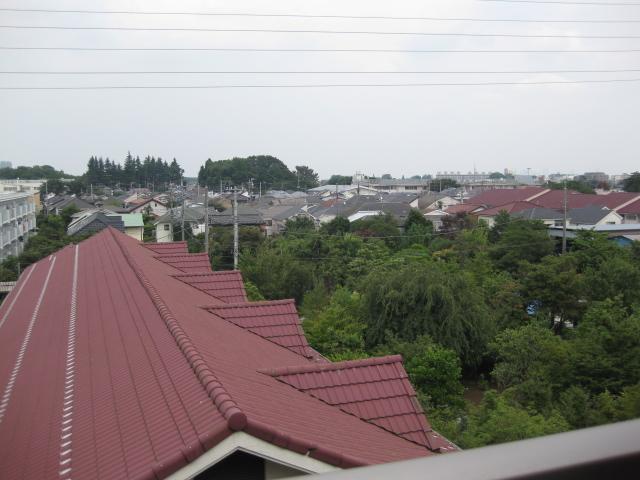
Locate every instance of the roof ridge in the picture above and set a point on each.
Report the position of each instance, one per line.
(203, 274)
(149, 244)
(235, 417)
(261, 303)
(323, 367)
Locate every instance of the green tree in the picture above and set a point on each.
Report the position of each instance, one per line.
(306, 178)
(497, 420)
(532, 364)
(606, 348)
(521, 241)
(427, 298)
(632, 184)
(434, 371)
(337, 330)
(339, 180)
(337, 226)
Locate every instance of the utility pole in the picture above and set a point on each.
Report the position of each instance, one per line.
(235, 229)
(206, 219)
(564, 221)
(182, 219)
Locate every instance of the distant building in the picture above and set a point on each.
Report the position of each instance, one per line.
(18, 217)
(412, 185)
(5, 164)
(595, 177)
(463, 178)
(17, 185)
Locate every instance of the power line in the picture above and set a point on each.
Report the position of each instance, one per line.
(329, 85)
(563, 2)
(296, 15)
(317, 32)
(316, 72)
(306, 50)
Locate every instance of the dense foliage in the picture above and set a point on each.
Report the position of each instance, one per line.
(544, 342)
(632, 184)
(51, 236)
(265, 172)
(37, 172)
(574, 185)
(151, 172)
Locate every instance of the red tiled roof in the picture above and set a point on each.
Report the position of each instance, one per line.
(110, 368)
(554, 199)
(169, 247)
(514, 207)
(225, 286)
(463, 208)
(276, 321)
(631, 208)
(503, 196)
(187, 263)
(375, 389)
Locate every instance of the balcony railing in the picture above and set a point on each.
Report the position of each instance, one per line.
(603, 453)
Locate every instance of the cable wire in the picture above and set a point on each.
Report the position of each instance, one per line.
(564, 2)
(329, 85)
(316, 72)
(306, 50)
(296, 15)
(317, 32)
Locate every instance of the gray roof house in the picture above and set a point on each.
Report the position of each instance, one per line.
(593, 215)
(94, 221)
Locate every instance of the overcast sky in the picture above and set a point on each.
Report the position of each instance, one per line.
(409, 130)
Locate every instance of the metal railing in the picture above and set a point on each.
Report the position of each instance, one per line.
(603, 453)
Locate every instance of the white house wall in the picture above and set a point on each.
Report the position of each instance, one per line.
(240, 441)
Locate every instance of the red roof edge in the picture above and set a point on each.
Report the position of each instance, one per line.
(326, 455)
(323, 367)
(236, 419)
(189, 453)
(160, 244)
(262, 303)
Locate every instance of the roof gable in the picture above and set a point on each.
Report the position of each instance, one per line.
(376, 390)
(276, 321)
(168, 248)
(225, 286)
(187, 263)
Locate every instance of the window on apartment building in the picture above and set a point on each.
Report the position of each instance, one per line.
(166, 227)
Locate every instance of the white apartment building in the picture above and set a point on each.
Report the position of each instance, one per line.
(17, 185)
(18, 222)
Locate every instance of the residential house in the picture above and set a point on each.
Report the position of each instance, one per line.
(435, 217)
(593, 215)
(545, 215)
(342, 191)
(399, 211)
(158, 367)
(18, 222)
(151, 206)
(488, 215)
(247, 216)
(630, 212)
(91, 221)
(58, 203)
(275, 217)
(193, 217)
(133, 225)
(436, 201)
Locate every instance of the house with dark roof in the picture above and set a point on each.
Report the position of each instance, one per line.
(58, 203)
(91, 221)
(122, 360)
(593, 215)
(247, 216)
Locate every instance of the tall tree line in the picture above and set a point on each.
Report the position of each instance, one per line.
(151, 171)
